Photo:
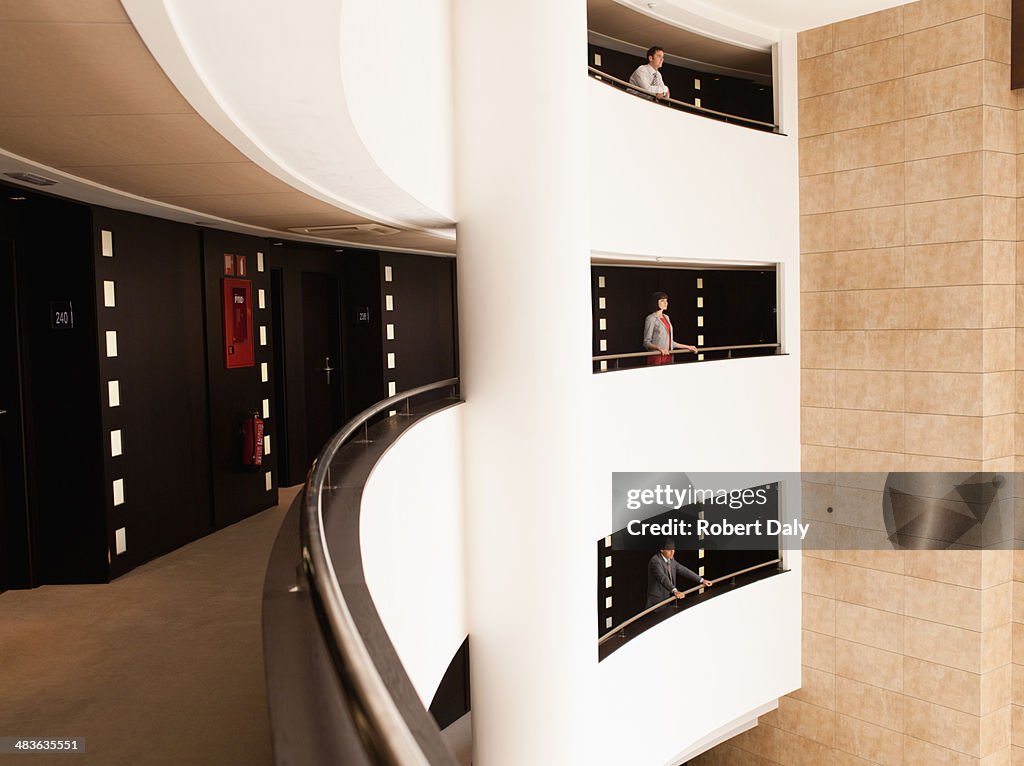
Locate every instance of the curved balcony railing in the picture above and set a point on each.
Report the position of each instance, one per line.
(615, 82)
(341, 694)
(610, 362)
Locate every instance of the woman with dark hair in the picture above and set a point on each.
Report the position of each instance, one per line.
(658, 332)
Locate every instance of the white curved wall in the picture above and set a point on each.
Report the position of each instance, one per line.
(396, 60)
(676, 186)
(411, 536)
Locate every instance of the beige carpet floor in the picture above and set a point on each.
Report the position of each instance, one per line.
(162, 666)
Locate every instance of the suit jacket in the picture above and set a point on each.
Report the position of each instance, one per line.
(661, 578)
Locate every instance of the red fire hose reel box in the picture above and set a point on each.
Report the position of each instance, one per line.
(238, 340)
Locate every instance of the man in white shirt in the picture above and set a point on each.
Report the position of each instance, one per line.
(647, 77)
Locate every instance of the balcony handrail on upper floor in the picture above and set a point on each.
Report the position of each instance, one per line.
(700, 350)
(599, 74)
(625, 623)
(382, 727)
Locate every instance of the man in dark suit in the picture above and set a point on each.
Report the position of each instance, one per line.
(661, 574)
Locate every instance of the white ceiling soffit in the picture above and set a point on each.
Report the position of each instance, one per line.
(267, 77)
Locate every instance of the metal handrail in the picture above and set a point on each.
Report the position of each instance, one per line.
(381, 726)
(670, 599)
(602, 75)
(700, 350)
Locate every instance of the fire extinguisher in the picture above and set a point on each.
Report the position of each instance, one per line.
(252, 440)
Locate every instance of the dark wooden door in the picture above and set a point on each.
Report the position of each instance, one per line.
(15, 548)
(321, 331)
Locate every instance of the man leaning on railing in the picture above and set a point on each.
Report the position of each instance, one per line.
(647, 77)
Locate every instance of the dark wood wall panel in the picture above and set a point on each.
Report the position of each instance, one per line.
(361, 340)
(238, 492)
(156, 269)
(67, 511)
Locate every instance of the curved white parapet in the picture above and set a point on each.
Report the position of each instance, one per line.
(268, 76)
(411, 537)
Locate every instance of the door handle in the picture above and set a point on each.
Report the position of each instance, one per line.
(328, 369)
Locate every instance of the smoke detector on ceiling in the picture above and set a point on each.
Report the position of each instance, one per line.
(350, 228)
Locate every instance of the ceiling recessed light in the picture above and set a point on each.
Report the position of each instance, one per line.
(18, 199)
(31, 178)
(277, 244)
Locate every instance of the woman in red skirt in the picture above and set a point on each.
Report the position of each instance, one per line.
(658, 333)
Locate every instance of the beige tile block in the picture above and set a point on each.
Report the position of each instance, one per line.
(818, 426)
(866, 740)
(814, 457)
(861, 508)
(945, 350)
(819, 577)
(869, 187)
(818, 388)
(953, 566)
(942, 308)
(944, 436)
(947, 263)
(818, 311)
(956, 42)
(818, 651)
(874, 228)
(1019, 445)
(1000, 218)
(816, 688)
(869, 390)
(930, 13)
(814, 76)
(996, 732)
(936, 135)
(869, 269)
(998, 436)
(819, 614)
(868, 665)
(1000, 465)
(998, 349)
(808, 721)
(1000, 8)
(944, 726)
(1000, 171)
(942, 602)
(1017, 725)
(997, 39)
(874, 145)
(998, 393)
(867, 105)
(868, 549)
(998, 305)
(942, 685)
(817, 233)
(945, 90)
(865, 429)
(817, 349)
(846, 759)
(996, 689)
(817, 154)
(1019, 258)
(942, 644)
(918, 751)
(999, 263)
(869, 460)
(869, 703)
(996, 85)
(868, 588)
(996, 647)
(1000, 129)
(873, 627)
(814, 42)
(868, 28)
(871, 350)
(817, 114)
(934, 464)
(1017, 685)
(817, 194)
(1018, 576)
(1018, 607)
(996, 567)
(867, 64)
(870, 309)
(945, 177)
(800, 751)
(817, 272)
(944, 393)
(996, 605)
(954, 220)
